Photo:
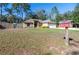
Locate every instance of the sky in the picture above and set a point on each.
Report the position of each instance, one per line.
(62, 7)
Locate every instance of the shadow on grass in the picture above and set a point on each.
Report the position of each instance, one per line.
(73, 53)
(74, 43)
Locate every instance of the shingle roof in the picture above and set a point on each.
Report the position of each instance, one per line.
(65, 21)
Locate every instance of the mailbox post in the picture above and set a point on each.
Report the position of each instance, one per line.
(66, 36)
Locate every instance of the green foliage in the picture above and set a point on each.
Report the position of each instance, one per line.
(55, 16)
(68, 15)
(3, 18)
(1, 9)
(31, 15)
(21, 8)
(41, 14)
(76, 14)
(58, 18)
(73, 15)
(16, 9)
(54, 13)
(10, 19)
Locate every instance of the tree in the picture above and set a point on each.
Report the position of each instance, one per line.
(59, 17)
(16, 8)
(26, 8)
(4, 18)
(68, 15)
(21, 8)
(76, 9)
(41, 14)
(54, 13)
(76, 14)
(10, 17)
(31, 15)
(1, 9)
(17, 11)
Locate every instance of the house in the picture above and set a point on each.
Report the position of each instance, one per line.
(32, 23)
(2, 27)
(76, 25)
(5, 25)
(28, 23)
(48, 24)
(65, 23)
(39, 23)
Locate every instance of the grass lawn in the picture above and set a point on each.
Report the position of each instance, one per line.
(34, 41)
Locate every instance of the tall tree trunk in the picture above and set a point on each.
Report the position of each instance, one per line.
(22, 16)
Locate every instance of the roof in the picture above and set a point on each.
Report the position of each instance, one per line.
(28, 21)
(65, 21)
(47, 21)
(32, 20)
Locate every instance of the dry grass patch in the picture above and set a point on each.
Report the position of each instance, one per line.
(33, 41)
